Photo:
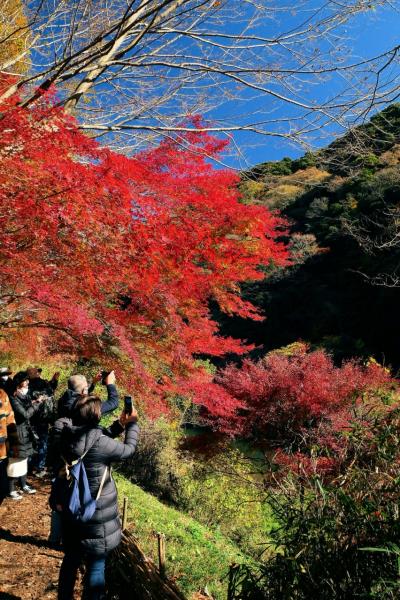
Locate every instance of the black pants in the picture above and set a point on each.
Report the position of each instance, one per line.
(3, 479)
(12, 481)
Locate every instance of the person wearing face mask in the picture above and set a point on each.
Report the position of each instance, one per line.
(24, 408)
(6, 382)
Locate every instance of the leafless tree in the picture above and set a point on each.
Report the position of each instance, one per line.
(378, 235)
(143, 66)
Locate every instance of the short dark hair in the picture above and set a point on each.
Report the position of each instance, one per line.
(87, 410)
(32, 372)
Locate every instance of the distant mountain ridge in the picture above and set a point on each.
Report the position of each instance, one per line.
(369, 147)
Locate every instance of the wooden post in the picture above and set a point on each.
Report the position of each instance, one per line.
(125, 514)
(231, 587)
(161, 554)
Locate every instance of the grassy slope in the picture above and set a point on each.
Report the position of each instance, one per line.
(196, 557)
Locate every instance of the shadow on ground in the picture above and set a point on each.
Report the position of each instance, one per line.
(5, 534)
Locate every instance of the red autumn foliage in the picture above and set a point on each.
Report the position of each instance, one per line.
(282, 395)
(304, 465)
(355, 435)
(116, 258)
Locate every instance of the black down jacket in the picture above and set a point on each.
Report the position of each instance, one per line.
(23, 411)
(102, 533)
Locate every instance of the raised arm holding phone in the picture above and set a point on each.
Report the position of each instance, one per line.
(78, 386)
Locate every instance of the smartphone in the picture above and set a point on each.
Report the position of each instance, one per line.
(128, 406)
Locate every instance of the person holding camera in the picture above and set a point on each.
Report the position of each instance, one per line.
(92, 540)
(42, 389)
(38, 384)
(78, 386)
(24, 408)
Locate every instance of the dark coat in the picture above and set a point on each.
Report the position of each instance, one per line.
(23, 411)
(102, 533)
(42, 385)
(68, 400)
(7, 386)
(47, 412)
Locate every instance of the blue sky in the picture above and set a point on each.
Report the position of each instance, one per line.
(364, 36)
(368, 35)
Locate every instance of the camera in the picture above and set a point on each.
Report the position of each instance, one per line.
(36, 396)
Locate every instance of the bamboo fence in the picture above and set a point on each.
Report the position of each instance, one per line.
(131, 575)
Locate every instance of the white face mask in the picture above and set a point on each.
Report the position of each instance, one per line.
(4, 377)
(23, 391)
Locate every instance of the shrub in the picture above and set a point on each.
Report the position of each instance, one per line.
(308, 160)
(156, 465)
(205, 477)
(196, 558)
(337, 541)
(283, 394)
(225, 493)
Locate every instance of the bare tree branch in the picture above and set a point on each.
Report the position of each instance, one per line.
(144, 65)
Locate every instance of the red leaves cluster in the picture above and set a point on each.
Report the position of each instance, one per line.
(116, 257)
(282, 394)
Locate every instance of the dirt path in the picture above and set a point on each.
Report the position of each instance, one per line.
(28, 565)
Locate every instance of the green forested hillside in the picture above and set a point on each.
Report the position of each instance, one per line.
(343, 204)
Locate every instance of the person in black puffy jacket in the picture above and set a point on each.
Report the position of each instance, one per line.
(77, 386)
(24, 408)
(93, 540)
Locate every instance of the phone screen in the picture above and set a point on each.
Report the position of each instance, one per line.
(128, 405)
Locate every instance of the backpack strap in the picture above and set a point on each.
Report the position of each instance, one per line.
(67, 466)
(87, 450)
(64, 470)
(103, 480)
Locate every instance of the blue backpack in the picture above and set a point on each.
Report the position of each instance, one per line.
(70, 492)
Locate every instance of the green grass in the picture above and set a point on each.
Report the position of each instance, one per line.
(196, 557)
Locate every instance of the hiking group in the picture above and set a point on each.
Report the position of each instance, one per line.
(65, 442)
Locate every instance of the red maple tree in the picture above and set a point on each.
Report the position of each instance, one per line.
(116, 258)
(289, 394)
